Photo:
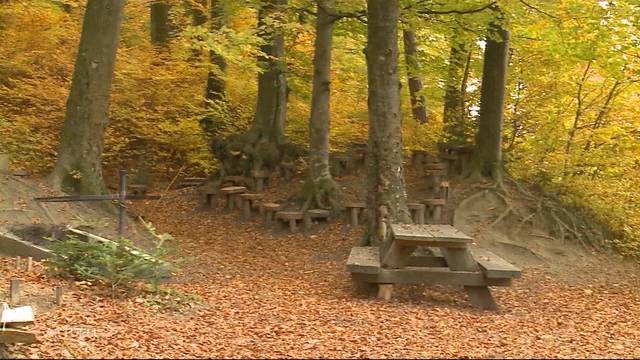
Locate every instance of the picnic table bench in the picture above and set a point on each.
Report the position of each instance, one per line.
(459, 262)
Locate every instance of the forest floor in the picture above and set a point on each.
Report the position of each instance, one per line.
(246, 291)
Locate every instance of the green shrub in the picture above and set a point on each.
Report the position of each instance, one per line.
(115, 264)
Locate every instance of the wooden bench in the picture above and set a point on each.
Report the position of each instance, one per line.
(314, 214)
(354, 209)
(235, 180)
(461, 263)
(269, 209)
(191, 182)
(137, 189)
(444, 189)
(435, 207)
(247, 203)
(231, 195)
(15, 336)
(291, 217)
(417, 212)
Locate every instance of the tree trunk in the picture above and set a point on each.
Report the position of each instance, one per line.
(78, 167)
(215, 82)
(159, 22)
(418, 102)
(487, 157)
(264, 144)
(453, 96)
(325, 192)
(386, 201)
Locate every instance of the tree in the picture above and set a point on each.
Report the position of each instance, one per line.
(215, 82)
(264, 145)
(159, 21)
(324, 191)
(455, 88)
(82, 137)
(487, 156)
(386, 200)
(418, 102)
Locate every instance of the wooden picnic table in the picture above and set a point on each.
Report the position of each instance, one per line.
(460, 262)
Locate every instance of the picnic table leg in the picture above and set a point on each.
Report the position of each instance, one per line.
(437, 212)
(385, 291)
(307, 221)
(246, 208)
(461, 260)
(230, 201)
(268, 217)
(420, 216)
(293, 225)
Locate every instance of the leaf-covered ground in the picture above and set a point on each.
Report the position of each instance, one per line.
(266, 294)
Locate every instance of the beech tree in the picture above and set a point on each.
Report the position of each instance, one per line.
(324, 191)
(159, 22)
(78, 167)
(215, 82)
(455, 88)
(487, 156)
(418, 101)
(387, 198)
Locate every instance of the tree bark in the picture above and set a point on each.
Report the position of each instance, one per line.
(78, 167)
(215, 82)
(453, 96)
(160, 27)
(418, 101)
(324, 191)
(386, 200)
(487, 157)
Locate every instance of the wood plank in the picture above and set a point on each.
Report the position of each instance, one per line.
(432, 243)
(429, 232)
(364, 260)
(12, 336)
(426, 261)
(421, 275)
(492, 265)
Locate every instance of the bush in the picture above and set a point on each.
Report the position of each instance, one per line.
(115, 264)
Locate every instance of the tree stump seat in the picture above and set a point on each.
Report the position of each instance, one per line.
(315, 214)
(260, 179)
(137, 189)
(247, 200)
(417, 211)
(354, 209)
(291, 217)
(231, 195)
(435, 207)
(269, 209)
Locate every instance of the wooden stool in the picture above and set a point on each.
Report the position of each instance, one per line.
(435, 208)
(444, 189)
(231, 195)
(269, 209)
(417, 212)
(292, 217)
(354, 209)
(247, 201)
(137, 189)
(260, 178)
(312, 214)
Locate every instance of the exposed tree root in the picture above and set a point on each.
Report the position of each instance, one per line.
(323, 194)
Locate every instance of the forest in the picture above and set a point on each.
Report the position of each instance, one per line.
(514, 123)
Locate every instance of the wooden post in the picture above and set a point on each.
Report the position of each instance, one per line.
(14, 291)
(246, 208)
(437, 212)
(354, 216)
(259, 184)
(58, 291)
(268, 216)
(293, 225)
(385, 291)
(18, 263)
(230, 201)
(420, 215)
(29, 264)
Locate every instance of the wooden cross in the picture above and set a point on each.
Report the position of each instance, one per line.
(120, 197)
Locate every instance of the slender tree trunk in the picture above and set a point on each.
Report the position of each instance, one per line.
(160, 26)
(386, 202)
(79, 167)
(196, 8)
(325, 192)
(215, 82)
(453, 96)
(418, 101)
(487, 157)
